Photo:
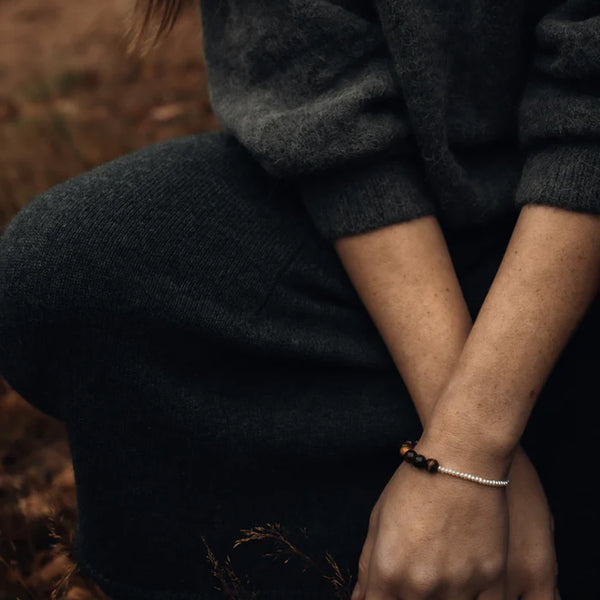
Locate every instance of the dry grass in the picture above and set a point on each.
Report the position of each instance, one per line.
(38, 515)
(38, 512)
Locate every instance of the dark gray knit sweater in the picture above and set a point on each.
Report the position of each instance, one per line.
(380, 111)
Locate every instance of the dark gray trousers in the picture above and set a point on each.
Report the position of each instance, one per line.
(216, 370)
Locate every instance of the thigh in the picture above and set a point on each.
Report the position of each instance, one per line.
(188, 225)
(187, 236)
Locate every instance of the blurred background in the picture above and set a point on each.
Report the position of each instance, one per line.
(72, 98)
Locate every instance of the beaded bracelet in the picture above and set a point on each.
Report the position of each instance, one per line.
(433, 466)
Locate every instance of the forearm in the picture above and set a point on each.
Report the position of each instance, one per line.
(547, 279)
(404, 275)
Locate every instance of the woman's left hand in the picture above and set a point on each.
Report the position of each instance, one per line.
(433, 535)
(532, 566)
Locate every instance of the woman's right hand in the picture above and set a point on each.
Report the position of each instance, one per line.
(435, 536)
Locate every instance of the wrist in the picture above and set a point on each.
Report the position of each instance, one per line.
(466, 449)
(484, 421)
(460, 455)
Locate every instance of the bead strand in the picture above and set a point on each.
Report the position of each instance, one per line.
(475, 478)
(432, 466)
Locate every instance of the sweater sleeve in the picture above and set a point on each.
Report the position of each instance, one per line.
(309, 88)
(559, 114)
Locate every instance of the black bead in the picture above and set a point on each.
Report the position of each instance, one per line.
(420, 461)
(432, 465)
(410, 456)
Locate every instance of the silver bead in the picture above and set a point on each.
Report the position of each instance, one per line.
(474, 478)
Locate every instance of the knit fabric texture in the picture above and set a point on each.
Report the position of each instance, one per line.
(387, 110)
(216, 370)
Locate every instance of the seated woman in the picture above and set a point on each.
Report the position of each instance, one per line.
(394, 237)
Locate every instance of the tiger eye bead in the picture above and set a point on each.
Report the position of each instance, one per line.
(404, 449)
(409, 456)
(432, 465)
(420, 461)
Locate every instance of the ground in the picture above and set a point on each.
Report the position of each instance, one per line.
(71, 97)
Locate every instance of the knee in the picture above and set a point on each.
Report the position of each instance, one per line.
(85, 245)
(64, 259)
(28, 260)
(35, 251)
(126, 235)
(53, 251)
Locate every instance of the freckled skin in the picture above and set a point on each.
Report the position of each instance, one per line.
(473, 385)
(539, 295)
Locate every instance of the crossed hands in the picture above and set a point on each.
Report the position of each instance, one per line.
(436, 536)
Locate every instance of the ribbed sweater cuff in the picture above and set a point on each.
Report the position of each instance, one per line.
(566, 175)
(361, 197)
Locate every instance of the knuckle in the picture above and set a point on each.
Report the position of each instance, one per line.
(422, 582)
(386, 579)
(490, 567)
